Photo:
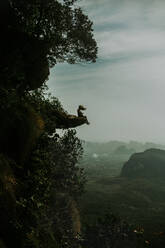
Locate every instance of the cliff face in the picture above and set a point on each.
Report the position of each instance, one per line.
(39, 180)
(150, 163)
(34, 170)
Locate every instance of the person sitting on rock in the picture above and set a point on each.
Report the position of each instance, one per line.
(80, 113)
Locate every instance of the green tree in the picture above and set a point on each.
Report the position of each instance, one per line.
(51, 182)
(42, 33)
(66, 31)
(110, 231)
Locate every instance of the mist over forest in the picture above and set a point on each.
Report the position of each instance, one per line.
(127, 180)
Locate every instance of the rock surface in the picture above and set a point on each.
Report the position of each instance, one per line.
(150, 163)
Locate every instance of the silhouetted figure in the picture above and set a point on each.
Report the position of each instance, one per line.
(79, 111)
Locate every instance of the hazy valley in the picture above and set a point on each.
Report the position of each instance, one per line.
(137, 198)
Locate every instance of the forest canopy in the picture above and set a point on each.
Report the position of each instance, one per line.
(65, 31)
(35, 35)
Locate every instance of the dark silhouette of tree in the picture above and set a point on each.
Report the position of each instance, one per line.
(39, 177)
(35, 35)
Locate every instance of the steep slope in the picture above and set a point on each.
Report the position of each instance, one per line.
(150, 163)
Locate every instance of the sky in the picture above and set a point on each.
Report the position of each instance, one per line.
(124, 91)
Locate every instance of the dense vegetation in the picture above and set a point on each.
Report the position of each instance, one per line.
(39, 177)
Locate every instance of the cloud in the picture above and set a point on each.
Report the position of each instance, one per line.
(124, 91)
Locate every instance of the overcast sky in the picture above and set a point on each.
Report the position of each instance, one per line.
(124, 91)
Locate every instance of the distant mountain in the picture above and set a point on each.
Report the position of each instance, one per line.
(150, 163)
(124, 150)
(118, 147)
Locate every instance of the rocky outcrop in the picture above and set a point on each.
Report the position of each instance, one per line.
(64, 120)
(150, 163)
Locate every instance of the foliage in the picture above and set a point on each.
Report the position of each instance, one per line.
(47, 106)
(42, 33)
(65, 30)
(112, 232)
(50, 182)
